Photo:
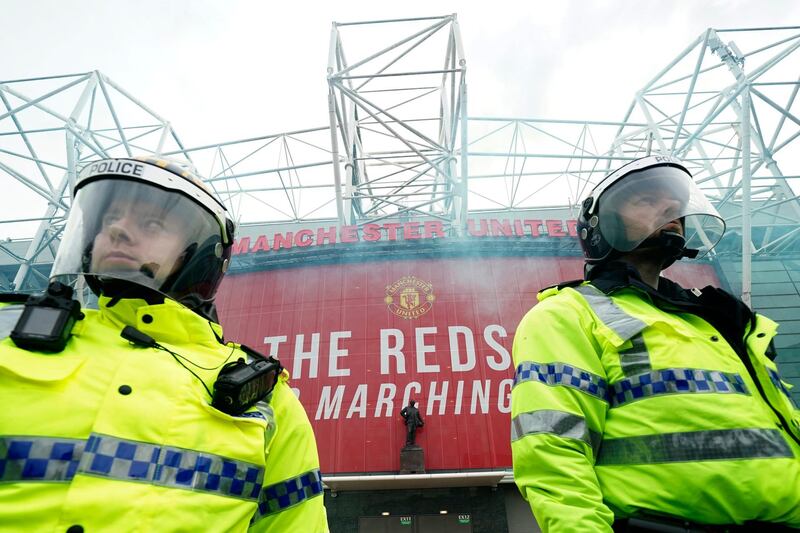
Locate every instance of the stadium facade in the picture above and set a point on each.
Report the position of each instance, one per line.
(391, 254)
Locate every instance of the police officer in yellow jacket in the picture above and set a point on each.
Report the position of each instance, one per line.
(118, 419)
(639, 405)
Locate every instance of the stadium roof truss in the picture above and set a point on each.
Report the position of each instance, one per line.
(398, 112)
(49, 128)
(399, 142)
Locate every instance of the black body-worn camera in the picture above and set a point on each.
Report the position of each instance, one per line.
(46, 322)
(240, 385)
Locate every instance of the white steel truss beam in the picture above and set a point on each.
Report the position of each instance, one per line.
(399, 141)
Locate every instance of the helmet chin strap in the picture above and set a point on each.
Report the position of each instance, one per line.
(672, 244)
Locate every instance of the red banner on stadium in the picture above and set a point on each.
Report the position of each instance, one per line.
(360, 339)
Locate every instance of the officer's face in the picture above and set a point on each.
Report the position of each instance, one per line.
(139, 238)
(648, 213)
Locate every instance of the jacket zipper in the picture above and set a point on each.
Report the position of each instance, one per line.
(745, 358)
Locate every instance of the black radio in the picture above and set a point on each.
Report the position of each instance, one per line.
(240, 385)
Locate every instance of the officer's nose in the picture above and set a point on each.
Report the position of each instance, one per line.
(120, 230)
(669, 208)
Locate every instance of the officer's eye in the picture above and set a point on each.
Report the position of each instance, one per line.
(647, 201)
(110, 218)
(153, 224)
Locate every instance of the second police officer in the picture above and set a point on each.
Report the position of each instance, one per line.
(638, 403)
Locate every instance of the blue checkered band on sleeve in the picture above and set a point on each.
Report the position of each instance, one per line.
(562, 374)
(39, 458)
(288, 493)
(675, 381)
(52, 459)
(778, 382)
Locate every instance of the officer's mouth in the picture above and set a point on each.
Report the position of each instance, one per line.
(119, 258)
(674, 226)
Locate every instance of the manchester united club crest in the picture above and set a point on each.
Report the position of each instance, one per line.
(409, 297)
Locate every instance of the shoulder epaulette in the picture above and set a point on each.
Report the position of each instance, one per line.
(570, 283)
(13, 298)
(255, 354)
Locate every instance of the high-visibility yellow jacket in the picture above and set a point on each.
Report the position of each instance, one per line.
(621, 408)
(109, 436)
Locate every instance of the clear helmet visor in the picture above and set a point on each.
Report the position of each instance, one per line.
(131, 231)
(643, 203)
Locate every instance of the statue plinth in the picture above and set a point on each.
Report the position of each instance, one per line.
(412, 460)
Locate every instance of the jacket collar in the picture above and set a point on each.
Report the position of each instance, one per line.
(617, 275)
(725, 312)
(168, 322)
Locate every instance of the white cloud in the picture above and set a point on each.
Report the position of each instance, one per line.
(226, 70)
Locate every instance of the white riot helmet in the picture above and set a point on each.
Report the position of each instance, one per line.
(146, 222)
(626, 208)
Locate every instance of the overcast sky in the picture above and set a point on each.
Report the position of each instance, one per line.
(225, 70)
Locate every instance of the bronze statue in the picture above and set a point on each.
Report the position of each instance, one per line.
(413, 421)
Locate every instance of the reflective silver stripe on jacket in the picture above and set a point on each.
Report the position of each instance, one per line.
(718, 444)
(635, 359)
(675, 381)
(26, 458)
(620, 322)
(559, 423)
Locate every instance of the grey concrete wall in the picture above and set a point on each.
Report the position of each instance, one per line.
(518, 512)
